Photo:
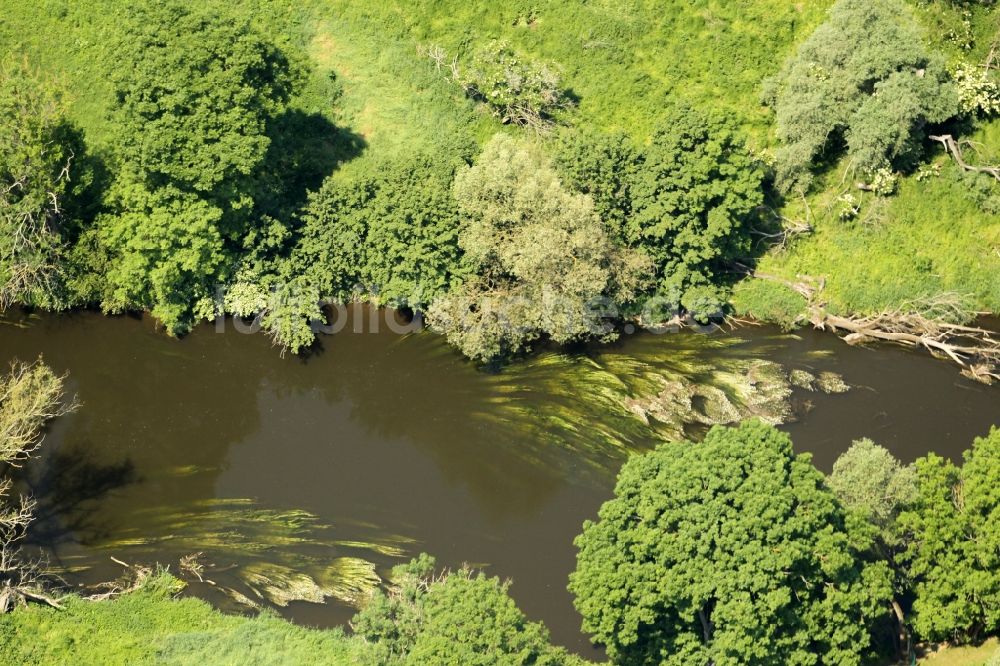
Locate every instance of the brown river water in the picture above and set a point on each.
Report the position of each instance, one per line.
(326, 471)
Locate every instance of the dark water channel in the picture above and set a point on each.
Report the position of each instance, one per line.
(293, 475)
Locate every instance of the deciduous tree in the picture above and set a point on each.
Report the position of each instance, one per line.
(194, 91)
(543, 261)
(953, 558)
(729, 551)
(36, 159)
(864, 77)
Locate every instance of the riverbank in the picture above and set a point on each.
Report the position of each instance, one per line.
(150, 626)
(938, 233)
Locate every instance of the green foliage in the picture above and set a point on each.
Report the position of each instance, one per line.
(455, 618)
(691, 199)
(167, 249)
(191, 109)
(191, 113)
(498, 634)
(149, 627)
(544, 263)
(936, 235)
(391, 235)
(876, 487)
(978, 90)
(869, 480)
(864, 77)
(36, 160)
(685, 199)
(517, 90)
(603, 166)
(729, 551)
(953, 558)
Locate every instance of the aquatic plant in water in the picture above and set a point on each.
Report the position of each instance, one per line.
(603, 403)
(256, 556)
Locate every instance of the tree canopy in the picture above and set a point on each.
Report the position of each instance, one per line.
(542, 260)
(864, 77)
(191, 112)
(868, 479)
(729, 551)
(36, 160)
(692, 197)
(953, 557)
(453, 618)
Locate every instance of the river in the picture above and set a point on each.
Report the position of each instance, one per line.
(303, 478)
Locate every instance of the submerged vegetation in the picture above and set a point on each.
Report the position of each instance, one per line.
(278, 553)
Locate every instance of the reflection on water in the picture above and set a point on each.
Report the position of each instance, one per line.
(306, 479)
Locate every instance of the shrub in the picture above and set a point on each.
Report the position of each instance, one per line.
(864, 77)
(517, 90)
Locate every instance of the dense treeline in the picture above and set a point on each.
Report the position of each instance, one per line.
(735, 550)
(558, 231)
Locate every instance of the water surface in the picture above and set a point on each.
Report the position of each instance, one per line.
(379, 446)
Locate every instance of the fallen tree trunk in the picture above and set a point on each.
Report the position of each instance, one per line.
(955, 150)
(976, 350)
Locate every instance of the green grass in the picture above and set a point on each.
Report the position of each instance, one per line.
(148, 627)
(933, 236)
(623, 60)
(963, 656)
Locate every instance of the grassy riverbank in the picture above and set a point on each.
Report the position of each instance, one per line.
(149, 626)
(621, 61)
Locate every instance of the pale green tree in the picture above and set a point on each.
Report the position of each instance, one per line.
(864, 77)
(31, 395)
(543, 261)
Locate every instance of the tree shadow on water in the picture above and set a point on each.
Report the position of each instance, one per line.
(65, 490)
(305, 148)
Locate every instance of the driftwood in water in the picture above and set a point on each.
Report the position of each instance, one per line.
(925, 325)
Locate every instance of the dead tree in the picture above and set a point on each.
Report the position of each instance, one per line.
(30, 396)
(954, 148)
(926, 325)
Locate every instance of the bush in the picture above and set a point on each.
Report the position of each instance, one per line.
(517, 90)
(864, 77)
(769, 301)
(603, 166)
(452, 618)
